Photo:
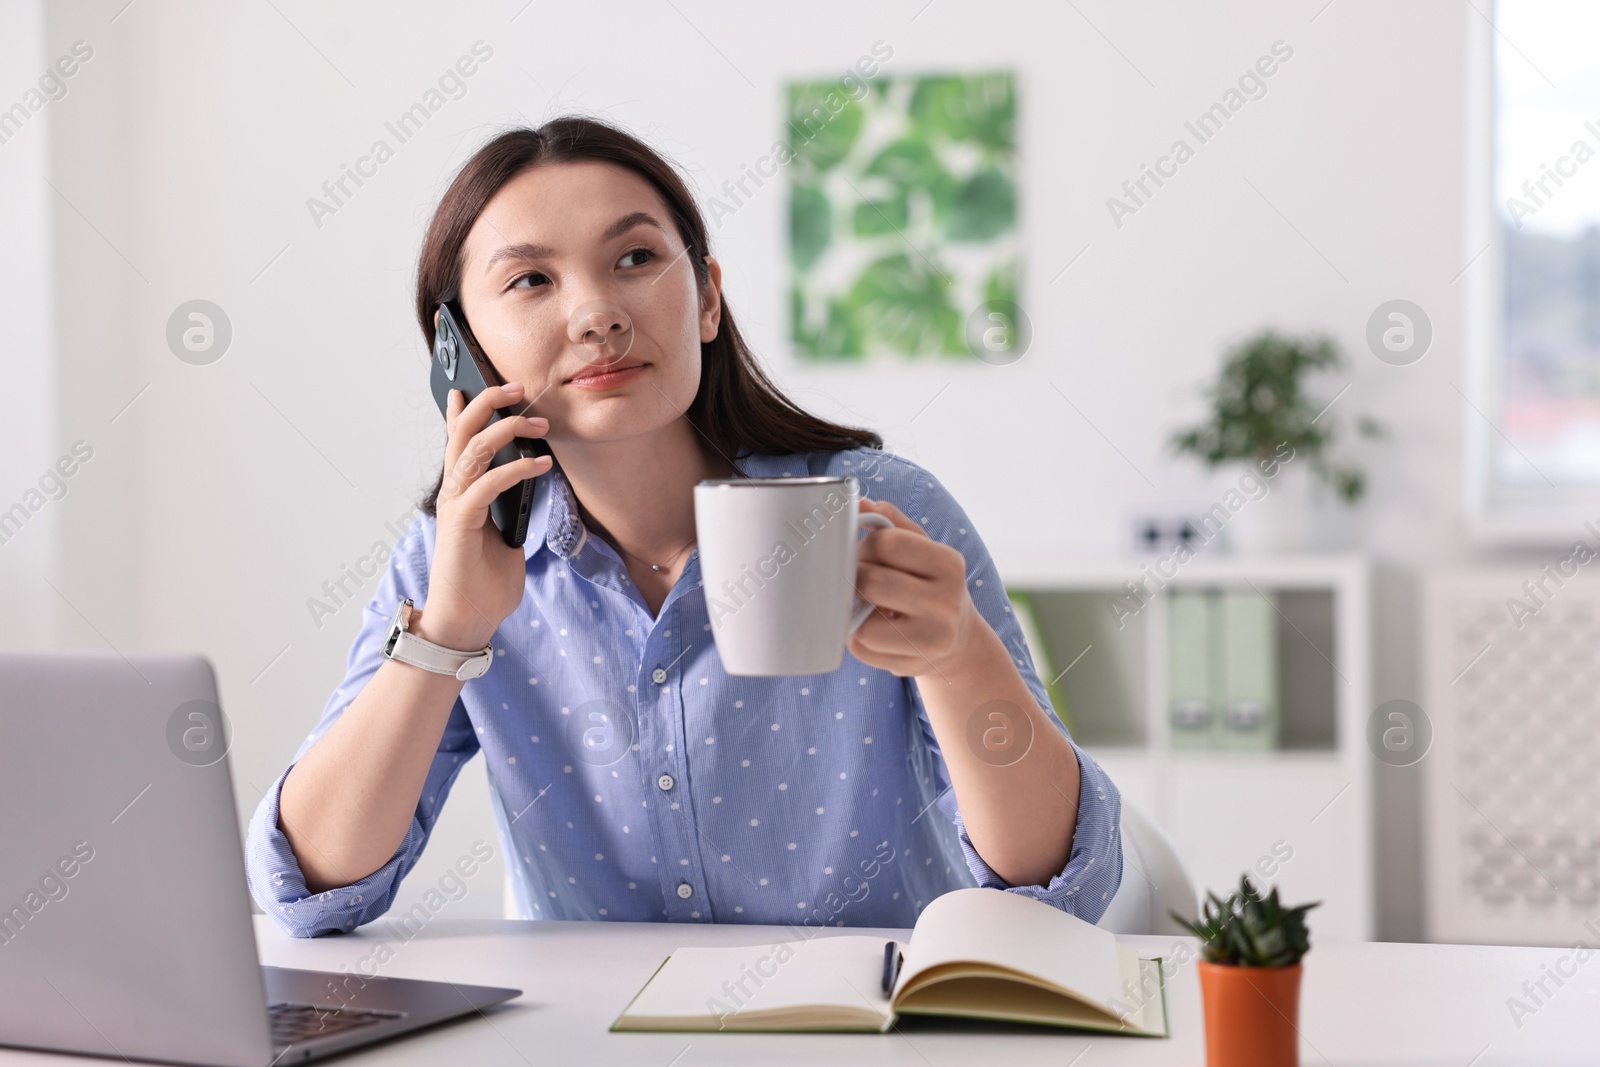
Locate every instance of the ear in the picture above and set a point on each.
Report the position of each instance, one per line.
(711, 301)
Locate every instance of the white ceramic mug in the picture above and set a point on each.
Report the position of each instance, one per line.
(778, 566)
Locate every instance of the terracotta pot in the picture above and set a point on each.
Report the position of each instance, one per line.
(1252, 1015)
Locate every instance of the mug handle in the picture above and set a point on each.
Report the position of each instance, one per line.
(872, 519)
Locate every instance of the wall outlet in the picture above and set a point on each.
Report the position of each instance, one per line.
(1159, 534)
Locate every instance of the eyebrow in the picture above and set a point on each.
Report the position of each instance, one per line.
(534, 251)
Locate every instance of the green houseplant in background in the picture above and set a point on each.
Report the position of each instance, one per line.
(1259, 403)
(1263, 414)
(1250, 947)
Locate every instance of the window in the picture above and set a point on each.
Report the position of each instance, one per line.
(1543, 377)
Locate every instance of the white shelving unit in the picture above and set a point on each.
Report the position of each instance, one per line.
(1230, 812)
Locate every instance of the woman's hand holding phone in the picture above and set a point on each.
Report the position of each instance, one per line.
(477, 579)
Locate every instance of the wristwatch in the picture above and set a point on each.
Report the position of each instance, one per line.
(409, 648)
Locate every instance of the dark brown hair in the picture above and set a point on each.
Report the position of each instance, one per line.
(737, 407)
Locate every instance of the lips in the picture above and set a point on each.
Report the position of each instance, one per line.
(603, 370)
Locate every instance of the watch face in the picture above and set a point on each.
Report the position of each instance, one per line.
(397, 624)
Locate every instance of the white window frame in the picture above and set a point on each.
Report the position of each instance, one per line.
(1498, 515)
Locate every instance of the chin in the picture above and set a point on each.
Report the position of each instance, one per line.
(618, 418)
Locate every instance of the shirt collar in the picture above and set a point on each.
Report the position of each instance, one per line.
(555, 511)
(555, 507)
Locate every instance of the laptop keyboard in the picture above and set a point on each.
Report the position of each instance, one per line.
(293, 1023)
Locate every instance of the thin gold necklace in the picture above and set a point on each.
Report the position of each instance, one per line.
(656, 566)
(584, 514)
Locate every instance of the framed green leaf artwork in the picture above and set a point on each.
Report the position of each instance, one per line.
(902, 216)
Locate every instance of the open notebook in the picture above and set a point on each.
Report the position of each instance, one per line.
(980, 953)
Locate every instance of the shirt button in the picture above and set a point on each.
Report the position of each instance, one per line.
(658, 676)
(685, 890)
(665, 782)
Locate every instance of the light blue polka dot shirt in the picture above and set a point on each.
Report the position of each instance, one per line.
(632, 779)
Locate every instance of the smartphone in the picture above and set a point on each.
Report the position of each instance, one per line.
(459, 363)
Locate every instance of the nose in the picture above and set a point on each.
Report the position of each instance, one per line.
(603, 328)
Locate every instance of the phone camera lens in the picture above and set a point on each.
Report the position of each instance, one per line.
(444, 350)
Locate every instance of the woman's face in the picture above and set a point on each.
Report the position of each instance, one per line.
(575, 282)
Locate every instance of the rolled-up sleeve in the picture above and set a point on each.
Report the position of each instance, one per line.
(1093, 871)
(275, 878)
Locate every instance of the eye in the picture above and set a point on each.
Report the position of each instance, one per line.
(532, 278)
(648, 255)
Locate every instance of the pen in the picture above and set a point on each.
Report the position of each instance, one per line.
(891, 966)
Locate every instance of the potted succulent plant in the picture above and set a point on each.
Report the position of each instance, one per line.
(1262, 415)
(1250, 952)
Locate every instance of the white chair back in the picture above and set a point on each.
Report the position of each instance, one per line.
(1154, 882)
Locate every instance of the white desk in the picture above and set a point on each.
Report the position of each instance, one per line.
(1361, 1003)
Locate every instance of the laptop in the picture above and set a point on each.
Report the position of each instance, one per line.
(125, 920)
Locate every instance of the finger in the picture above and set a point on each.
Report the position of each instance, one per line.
(503, 431)
(889, 630)
(919, 555)
(889, 589)
(483, 491)
(454, 401)
(876, 642)
(892, 513)
(475, 416)
(894, 660)
(478, 456)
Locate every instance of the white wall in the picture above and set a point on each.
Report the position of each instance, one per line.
(230, 492)
(29, 436)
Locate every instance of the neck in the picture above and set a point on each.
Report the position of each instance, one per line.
(639, 493)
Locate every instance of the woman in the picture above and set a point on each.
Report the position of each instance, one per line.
(582, 265)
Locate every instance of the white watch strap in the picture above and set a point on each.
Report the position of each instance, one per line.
(409, 648)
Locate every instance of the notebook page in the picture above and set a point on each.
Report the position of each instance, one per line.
(991, 926)
(722, 982)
